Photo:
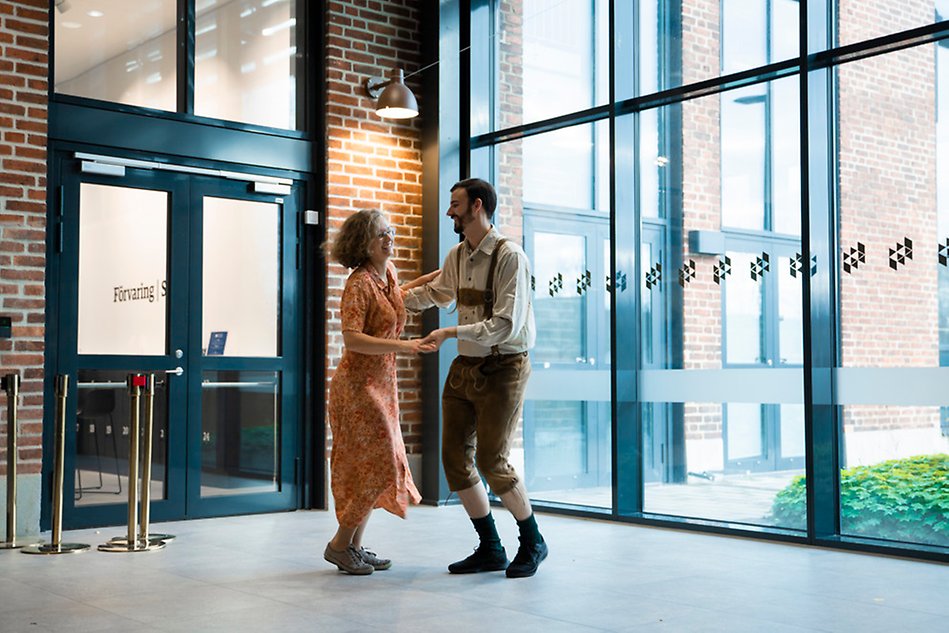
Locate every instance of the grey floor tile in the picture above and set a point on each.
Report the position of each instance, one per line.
(266, 572)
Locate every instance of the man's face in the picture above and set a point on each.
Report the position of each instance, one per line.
(460, 210)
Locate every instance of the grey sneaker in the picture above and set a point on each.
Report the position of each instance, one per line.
(349, 560)
(370, 557)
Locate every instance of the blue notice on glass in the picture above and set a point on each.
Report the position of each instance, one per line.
(216, 344)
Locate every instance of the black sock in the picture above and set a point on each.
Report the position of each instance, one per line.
(487, 532)
(530, 535)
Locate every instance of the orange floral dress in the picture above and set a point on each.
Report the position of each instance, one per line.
(368, 464)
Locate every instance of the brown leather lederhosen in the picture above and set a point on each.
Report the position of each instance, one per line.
(481, 403)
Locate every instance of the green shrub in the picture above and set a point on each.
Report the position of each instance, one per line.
(901, 499)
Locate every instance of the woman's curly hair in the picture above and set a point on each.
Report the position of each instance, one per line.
(351, 246)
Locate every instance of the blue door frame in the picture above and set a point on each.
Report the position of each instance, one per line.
(184, 277)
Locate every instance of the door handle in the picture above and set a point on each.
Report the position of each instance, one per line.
(176, 371)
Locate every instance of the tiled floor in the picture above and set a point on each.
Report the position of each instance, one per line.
(266, 573)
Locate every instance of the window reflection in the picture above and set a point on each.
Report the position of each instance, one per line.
(241, 278)
(245, 61)
(133, 58)
(123, 264)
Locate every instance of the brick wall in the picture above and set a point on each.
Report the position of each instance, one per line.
(887, 184)
(372, 162)
(701, 201)
(23, 114)
(510, 94)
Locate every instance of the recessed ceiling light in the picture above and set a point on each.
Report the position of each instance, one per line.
(70, 25)
(95, 14)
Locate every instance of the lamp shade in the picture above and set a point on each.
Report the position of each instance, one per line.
(397, 101)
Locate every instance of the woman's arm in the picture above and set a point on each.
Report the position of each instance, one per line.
(420, 281)
(373, 345)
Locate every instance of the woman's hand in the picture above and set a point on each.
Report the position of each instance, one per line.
(420, 281)
(418, 346)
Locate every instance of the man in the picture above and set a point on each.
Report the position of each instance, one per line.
(488, 277)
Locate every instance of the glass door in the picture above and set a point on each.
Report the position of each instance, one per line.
(566, 412)
(243, 359)
(762, 330)
(192, 279)
(123, 308)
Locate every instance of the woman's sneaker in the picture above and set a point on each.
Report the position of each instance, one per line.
(377, 563)
(349, 560)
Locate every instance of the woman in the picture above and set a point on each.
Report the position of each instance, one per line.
(368, 464)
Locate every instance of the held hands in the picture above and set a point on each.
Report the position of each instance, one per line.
(434, 340)
(419, 346)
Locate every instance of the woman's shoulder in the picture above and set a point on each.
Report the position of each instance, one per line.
(358, 280)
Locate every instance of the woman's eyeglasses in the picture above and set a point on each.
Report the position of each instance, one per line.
(388, 232)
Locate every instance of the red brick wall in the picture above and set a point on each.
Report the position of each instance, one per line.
(887, 184)
(23, 90)
(510, 94)
(372, 162)
(701, 200)
(859, 20)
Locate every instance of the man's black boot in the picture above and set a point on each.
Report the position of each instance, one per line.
(488, 556)
(531, 552)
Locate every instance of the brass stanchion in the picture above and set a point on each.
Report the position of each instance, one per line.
(145, 516)
(131, 543)
(56, 546)
(11, 385)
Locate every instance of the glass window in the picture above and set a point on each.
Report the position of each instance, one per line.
(890, 229)
(859, 20)
(685, 42)
(245, 61)
(552, 58)
(567, 169)
(724, 317)
(102, 438)
(123, 263)
(117, 51)
(744, 313)
(240, 431)
(241, 278)
(761, 157)
(744, 34)
(743, 158)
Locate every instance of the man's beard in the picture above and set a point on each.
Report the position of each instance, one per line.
(459, 221)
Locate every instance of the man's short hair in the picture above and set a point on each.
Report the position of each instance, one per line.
(477, 188)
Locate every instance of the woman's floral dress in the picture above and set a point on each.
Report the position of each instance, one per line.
(368, 464)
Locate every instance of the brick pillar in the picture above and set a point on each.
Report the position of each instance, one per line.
(23, 89)
(701, 201)
(374, 163)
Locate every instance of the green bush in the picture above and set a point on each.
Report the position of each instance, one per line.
(901, 499)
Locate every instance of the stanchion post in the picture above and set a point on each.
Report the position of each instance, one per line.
(11, 385)
(56, 546)
(143, 533)
(131, 542)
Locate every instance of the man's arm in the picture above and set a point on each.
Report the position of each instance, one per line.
(440, 291)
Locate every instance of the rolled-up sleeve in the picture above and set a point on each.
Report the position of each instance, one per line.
(438, 292)
(509, 314)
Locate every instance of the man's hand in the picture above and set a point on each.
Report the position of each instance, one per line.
(434, 340)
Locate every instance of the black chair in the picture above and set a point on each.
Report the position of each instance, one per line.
(95, 418)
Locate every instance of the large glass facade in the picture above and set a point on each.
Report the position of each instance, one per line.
(689, 245)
